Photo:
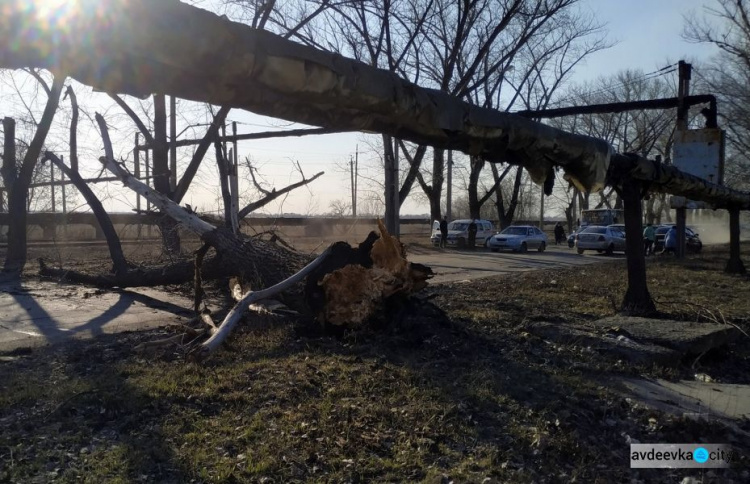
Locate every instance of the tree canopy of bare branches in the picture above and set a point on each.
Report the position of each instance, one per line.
(726, 25)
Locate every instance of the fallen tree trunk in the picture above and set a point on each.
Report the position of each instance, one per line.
(142, 47)
(352, 287)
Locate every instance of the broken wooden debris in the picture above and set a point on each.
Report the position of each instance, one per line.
(361, 281)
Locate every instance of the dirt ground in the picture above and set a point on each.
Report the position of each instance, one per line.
(451, 388)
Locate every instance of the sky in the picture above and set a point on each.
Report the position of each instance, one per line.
(647, 36)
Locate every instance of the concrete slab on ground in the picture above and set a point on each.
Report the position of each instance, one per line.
(685, 337)
(36, 313)
(694, 399)
(640, 340)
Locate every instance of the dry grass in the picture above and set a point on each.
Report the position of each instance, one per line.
(456, 391)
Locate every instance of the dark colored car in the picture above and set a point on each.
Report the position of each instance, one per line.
(692, 241)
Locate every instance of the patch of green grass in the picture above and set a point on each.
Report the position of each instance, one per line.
(465, 395)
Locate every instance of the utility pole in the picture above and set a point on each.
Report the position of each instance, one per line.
(353, 166)
(173, 147)
(683, 91)
(62, 188)
(356, 179)
(137, 173)
(449, 188)
(52, 184)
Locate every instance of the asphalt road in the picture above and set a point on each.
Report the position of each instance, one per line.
(451, 265)
(39, 313)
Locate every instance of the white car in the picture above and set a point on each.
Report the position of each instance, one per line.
(458, 233)
(519, 238)
(602, 239)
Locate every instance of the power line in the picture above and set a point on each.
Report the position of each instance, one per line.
(644, 77)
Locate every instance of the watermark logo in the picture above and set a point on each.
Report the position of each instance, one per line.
(673, 456)
(700, 455)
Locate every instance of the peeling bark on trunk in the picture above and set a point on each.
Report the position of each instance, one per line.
(256, 70)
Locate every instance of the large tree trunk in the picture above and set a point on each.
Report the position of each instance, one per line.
(8, 170)
(435, 195)
(15, 258)
(506, 216)
(167, 226)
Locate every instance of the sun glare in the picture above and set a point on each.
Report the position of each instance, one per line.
(55, 7)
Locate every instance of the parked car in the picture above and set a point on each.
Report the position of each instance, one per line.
(693, 243)
(601, 239)
(458, 233)
(519, 238)
(573, 235)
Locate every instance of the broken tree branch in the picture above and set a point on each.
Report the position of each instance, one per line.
(200, 153)
(234, 316)
(258, 262)
(161, 201)
(105, 223)
(271, 196)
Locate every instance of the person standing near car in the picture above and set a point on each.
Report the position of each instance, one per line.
(649, 239)
(559, 233)
(444, 232)
(670, 241)
(472, 233)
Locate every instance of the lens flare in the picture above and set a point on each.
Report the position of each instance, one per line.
(52, 7)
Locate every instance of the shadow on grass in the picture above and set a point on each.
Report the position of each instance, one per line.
(428, 399)
(69, 414)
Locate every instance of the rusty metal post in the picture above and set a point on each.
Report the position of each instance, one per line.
(637, 301)
(734, 265)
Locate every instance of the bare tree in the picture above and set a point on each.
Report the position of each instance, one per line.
(158, 141)
(17, 180)
(538, 70)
